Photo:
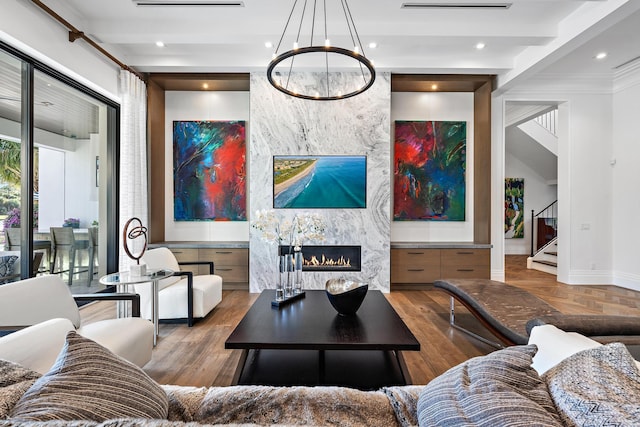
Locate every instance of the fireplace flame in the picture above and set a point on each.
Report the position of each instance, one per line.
(327, 262)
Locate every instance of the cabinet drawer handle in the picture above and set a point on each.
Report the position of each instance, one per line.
(224, 252)
(415, 269)
(415, 253)
(464, 253)
(177, 252)
(224, 269)
(466, 269)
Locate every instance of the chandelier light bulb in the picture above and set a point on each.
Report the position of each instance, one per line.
(356, 50)
(295, 46)
(327, 43)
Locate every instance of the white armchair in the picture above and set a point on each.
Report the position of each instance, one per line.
(183, 296)
(47, 303)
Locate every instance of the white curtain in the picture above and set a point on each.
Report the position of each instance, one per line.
(133, 158)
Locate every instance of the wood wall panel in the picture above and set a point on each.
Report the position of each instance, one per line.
(155, 141)
(482, 164)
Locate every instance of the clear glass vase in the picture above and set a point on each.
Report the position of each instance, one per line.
(290, 270)
(282, 277)
(298, 259)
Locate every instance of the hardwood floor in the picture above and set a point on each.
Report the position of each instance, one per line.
(196, 356)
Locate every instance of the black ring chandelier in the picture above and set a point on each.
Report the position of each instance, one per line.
(325, 89)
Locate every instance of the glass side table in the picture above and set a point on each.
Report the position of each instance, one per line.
(123, 278)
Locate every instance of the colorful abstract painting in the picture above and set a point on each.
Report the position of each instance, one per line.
(514, 208)
(429, 171)
(209, 171)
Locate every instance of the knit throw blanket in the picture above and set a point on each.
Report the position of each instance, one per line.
(315, 406)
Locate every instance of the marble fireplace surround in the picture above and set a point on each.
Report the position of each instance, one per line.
(283, 125)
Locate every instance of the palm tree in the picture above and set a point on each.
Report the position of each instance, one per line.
(10, 164)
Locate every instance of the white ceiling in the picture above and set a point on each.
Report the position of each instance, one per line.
(529, 37)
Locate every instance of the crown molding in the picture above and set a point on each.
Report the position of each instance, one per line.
(627, 76)
(566, 83)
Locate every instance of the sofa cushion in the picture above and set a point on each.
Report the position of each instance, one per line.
(15, 380)
(91, 383)
(7, 262)
(499, 389)
(597, 387)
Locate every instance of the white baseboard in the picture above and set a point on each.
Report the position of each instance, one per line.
(590, 277)
(627, 280)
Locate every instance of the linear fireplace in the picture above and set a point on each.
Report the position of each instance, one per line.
(329, 258)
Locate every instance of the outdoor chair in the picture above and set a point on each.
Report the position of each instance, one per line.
(64, 245)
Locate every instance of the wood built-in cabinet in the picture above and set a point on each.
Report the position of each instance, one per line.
(424, 265)
(232, 264)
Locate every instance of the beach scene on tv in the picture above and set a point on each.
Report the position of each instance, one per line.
(319, 181)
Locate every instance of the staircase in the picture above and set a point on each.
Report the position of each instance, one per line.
(546, 259)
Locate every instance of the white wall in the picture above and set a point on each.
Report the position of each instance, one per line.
(202, 106)
(538, 194)
(26, 27)
(584, 180)
(441, 106)
(67, 184)
(626, 182)
(51, 188)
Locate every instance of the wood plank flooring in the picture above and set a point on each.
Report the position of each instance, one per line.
(196, 356)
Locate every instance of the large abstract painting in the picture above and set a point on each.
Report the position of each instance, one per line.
(429, 171)
(320, 182)
(209, 171)
(514, 208)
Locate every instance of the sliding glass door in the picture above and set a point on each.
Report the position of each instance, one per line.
(59, 180)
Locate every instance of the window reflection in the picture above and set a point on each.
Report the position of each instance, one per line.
(69, 138)
(10, 169)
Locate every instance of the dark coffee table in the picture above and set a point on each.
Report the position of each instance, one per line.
(308, 343)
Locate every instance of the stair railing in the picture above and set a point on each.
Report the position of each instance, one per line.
(544, 227)
(548, 120)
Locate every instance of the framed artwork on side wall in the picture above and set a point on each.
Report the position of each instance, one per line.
(514, 208)
(209, 171)
(429, 171)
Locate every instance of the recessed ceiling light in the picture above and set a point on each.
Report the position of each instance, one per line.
(373, 45)
(268, 45)
(601, 55)
(159, 44)
(480, 46)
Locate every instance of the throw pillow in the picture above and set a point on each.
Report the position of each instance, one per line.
(7, 263)
(499, 389)
(597, 387)
(15, 380)
(88, 382)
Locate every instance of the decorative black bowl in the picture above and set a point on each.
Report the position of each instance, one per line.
(346, 296)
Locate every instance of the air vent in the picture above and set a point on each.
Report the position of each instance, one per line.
(624, 64)
(188, 3)
(433, 5)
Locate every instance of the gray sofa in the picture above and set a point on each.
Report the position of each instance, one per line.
(558, 379)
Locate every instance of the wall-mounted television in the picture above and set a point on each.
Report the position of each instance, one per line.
(324, 182)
